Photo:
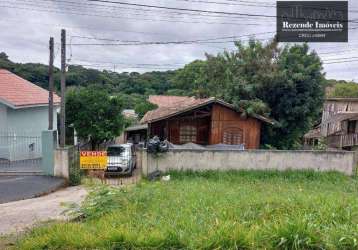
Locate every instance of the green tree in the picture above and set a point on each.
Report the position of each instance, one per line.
(348, 89)
(284, 83)
(296, 96)
(192, 79)
(94, 114)
(143, 107)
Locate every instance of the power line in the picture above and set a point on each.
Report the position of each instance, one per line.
(127, 8)
(342, 58)
(194, 10)
(157, 43)
(180, 9)
(129, 18)
(72, 4)
(88, 28)
(131, 64)
(335, 62)
(176, 42)
(250, 3)
(129, 67)
(67, 3)
(141, 5)
(187, 10)
(223, 3)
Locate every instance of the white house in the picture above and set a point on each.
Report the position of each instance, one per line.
(23, 116)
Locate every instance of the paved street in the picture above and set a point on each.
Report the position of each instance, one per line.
(19, 215)
(13, 188)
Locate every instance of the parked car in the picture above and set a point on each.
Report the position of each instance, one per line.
(121, 159)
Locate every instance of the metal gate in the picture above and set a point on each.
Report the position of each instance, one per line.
(20, 152)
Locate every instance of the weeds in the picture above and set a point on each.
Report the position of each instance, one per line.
(214, 210)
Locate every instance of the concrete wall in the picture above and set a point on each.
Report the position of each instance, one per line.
(49, 145)
(341, 161)
(61, 163)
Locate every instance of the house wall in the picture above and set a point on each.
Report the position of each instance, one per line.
(32, 120)
(20, 137)
(3, 117)
(170, 128)
(4, 151)
(211, 128)
(202, 126)
(199, 160)
(332, 107)
(224, 118)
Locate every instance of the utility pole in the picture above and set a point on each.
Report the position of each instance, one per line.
(50, 93)
(63, 89)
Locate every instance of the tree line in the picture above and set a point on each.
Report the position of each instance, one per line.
(285, 83)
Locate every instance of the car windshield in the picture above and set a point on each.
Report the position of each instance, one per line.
(112, 151)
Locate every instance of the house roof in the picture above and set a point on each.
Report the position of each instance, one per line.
(342, 99)
(171, 106)
(169, 100)
(137, 127)
(341, 116)
(313, 133)
(17, 92)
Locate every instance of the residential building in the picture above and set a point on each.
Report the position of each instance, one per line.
(204, 121)
(23, 112)
(339, 123)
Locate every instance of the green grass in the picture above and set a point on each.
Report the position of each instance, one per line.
(211, 210)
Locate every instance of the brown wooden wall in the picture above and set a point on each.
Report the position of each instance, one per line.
(224, 119)
(213, 129)
(202, 126)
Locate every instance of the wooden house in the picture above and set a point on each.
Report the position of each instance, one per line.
(206, 121)
(339, 122)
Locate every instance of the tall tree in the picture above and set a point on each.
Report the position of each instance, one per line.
(192, 79)
(296, 98)
(284, 83)
(94, 114)
(143, 107)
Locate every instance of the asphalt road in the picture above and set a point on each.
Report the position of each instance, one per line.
(14, 188)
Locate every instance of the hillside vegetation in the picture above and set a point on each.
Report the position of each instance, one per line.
(285, 83)
(342, 89)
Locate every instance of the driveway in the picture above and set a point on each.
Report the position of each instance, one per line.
(18, 215)
(13, 188)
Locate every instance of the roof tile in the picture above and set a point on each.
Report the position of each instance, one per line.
(173, 105)
(168, 105)
(19, 92)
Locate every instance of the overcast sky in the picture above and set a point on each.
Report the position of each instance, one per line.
(26, 26)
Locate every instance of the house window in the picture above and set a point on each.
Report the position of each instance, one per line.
(233, 136)
(187, 134)
(352, 127)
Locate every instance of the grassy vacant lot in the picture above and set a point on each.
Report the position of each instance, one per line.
(211, 210)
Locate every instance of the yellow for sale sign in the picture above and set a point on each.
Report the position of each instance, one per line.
(93, 159)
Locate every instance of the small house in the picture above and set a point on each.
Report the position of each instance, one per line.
(205, 121)
(23, 116)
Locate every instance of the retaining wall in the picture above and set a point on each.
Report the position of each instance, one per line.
(182, 159)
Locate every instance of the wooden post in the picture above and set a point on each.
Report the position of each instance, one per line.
(63, 90)
(50, 79)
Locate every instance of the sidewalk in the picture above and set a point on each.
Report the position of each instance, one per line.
(19, 215)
